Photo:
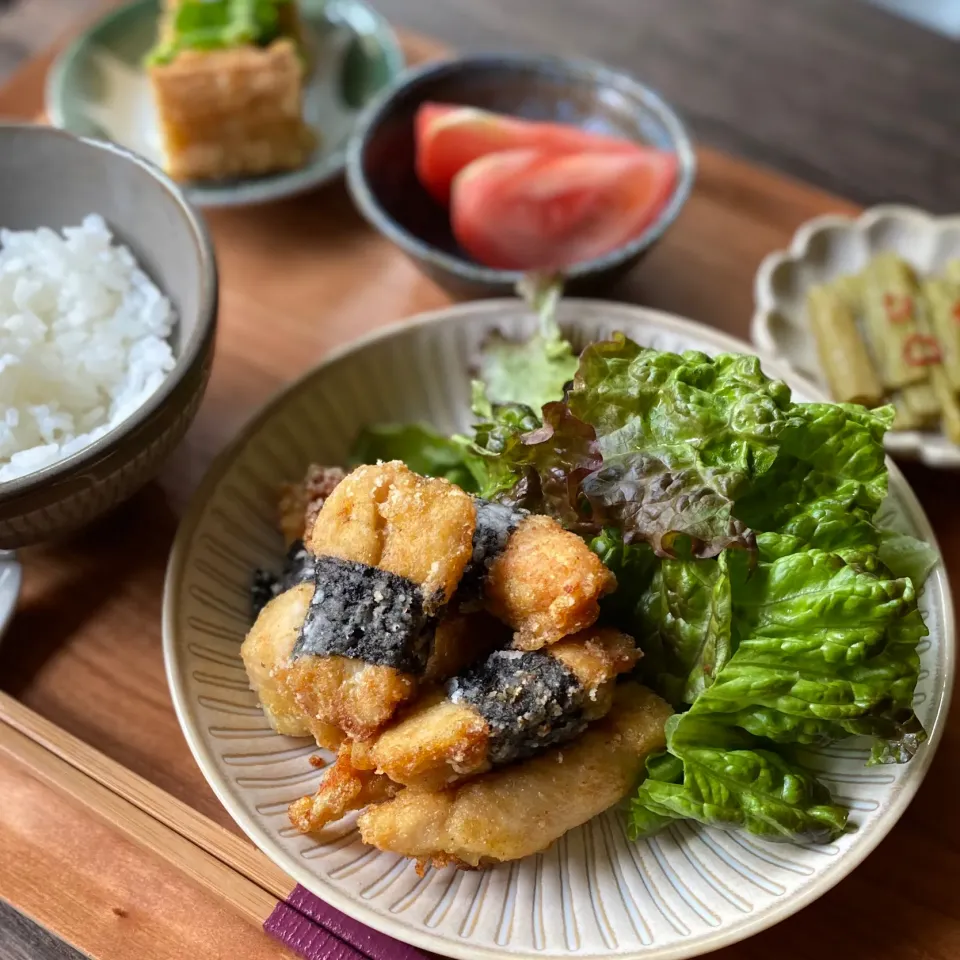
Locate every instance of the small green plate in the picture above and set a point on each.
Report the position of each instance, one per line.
(98, 88)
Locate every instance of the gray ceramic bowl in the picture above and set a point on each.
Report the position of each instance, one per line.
(380, 156)
(50, 178)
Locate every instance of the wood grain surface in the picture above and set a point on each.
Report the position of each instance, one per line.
(836, 92)
(78, 876)
(84, 649)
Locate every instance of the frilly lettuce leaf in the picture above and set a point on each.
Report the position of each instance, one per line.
(903, 554)
(684, 622)
(420, 447)
(537, 464)
(821, 650)
(532, 372)
(824, 650)
(721, 777)
(827, 482)
(682, 437)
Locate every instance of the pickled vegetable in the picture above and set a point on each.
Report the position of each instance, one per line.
(846, 364)
(889, 307)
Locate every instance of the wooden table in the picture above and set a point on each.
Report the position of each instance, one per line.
(839, 94)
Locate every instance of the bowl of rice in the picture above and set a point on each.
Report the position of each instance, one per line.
(108, 303)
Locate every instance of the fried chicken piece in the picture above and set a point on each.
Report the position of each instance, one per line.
(343, 789)
(325, 697)
(266, 654)
(510, 707)
(389, 517)
(352, 697)
(519, 810)
(332, 696)
(459, 641)
(546, 584)
(390, 548)
(300, 503)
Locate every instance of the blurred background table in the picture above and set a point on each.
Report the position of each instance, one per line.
(844, 95)
(840, 93)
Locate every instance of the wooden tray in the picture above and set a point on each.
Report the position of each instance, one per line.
(298, 278)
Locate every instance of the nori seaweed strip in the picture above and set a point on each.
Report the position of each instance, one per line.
(529, 700)
(495, 524)
(368, 614)
(298, 567)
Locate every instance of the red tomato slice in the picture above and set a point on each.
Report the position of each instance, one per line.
(531, 210)
(448, 137)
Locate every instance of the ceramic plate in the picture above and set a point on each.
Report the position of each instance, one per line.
(97, 88)
(829, 247)
(593, 894)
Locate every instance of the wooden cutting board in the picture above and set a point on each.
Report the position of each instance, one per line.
(297, 279)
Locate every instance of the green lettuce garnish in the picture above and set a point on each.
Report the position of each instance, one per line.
(902, 554)
(720, 776)
(217, 25)
(420, 447)
(532, 372)
(682, 437)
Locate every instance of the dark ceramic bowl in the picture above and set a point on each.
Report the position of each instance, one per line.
(50, 178)
(380, 156)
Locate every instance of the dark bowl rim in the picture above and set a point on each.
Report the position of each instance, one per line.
(191, 352)
(580, 69)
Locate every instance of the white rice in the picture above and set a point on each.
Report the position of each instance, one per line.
(83, 341)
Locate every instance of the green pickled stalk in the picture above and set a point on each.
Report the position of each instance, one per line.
(847, 366)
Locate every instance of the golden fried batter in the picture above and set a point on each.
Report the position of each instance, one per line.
(521, 809)
(435, 744)
(546, 584)
(389, 517)
(323, 696)
(343, 789)
(597, 655)
(266, 655)
(439, 742)
(356, 697)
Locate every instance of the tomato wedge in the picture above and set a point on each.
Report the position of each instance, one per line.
(448, 137)
(533, 210)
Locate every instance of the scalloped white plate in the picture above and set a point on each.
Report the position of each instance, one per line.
(593, 894)
(829, 247)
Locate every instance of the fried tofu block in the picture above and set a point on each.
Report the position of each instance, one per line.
(300, 503)
(546, 584)
(232, 112)
(389, 517)
(519, 810)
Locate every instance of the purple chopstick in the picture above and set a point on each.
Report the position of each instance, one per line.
(318, 932)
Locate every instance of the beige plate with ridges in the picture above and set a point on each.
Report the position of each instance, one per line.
(593, 894)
